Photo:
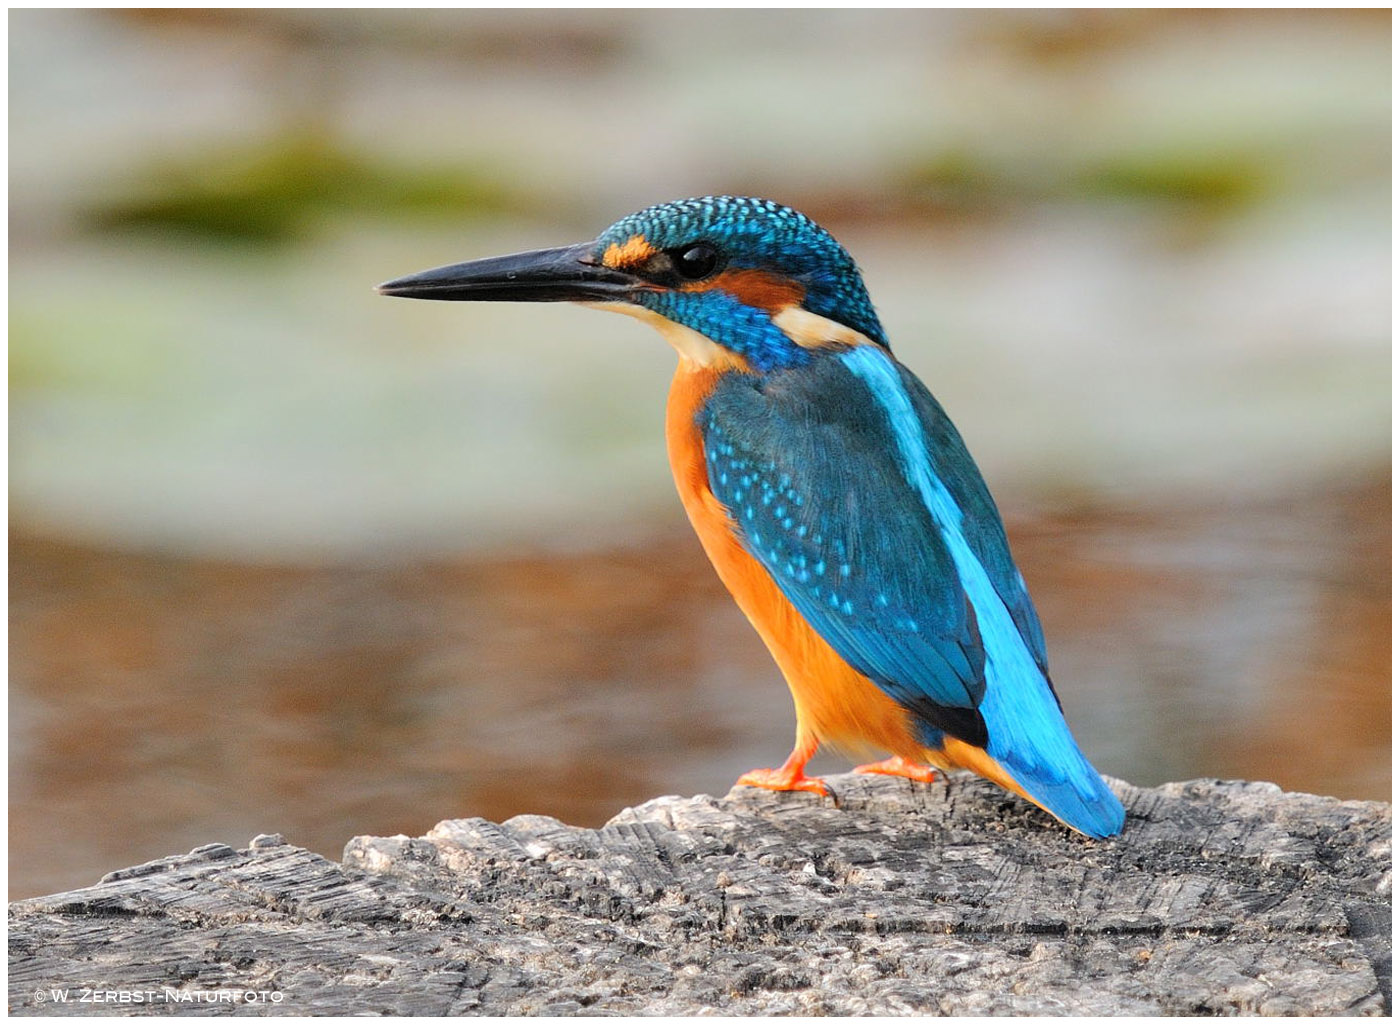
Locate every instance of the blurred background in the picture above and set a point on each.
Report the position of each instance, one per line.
(288, 556)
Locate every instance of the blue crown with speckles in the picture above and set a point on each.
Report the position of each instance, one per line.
(762, 235)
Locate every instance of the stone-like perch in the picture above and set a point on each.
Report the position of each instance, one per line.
(953, 898)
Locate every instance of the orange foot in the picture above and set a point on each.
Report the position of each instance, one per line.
(791, 775)
(897, 765)
(785, 778)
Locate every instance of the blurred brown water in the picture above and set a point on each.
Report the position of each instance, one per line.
(161, 702)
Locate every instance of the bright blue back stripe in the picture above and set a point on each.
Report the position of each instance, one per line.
(1026, 731)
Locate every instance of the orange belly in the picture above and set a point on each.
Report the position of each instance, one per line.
(835, 704)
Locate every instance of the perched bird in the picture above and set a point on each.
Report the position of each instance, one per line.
(833, 495)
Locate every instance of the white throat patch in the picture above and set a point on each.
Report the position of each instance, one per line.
(691, 344)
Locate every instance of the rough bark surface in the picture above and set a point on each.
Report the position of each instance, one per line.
(953, 898)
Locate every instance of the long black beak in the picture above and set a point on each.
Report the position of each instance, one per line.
(569, 274)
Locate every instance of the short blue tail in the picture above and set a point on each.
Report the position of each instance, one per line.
(1028, 736)
(1075, 794)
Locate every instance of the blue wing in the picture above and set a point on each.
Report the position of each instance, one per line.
(851, 487)
(820, 501)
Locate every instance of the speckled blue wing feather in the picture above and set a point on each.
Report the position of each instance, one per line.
(818, 494)
(850, 486)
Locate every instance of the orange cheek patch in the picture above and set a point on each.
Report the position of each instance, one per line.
(630, 253)
(756, 288)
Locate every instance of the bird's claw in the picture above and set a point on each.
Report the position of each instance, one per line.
(783, 779)
(899, 766)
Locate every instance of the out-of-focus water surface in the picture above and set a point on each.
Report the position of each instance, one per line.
(167, 701)
(288, 556)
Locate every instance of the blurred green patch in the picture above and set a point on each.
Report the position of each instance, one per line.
(31, 363)
(1219, 180)
(961, 179)
(278, 192)
(966, 180)
(116, 346)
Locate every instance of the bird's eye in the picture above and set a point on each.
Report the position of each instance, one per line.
(695, 262)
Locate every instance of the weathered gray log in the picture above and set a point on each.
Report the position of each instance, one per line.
(952, 898)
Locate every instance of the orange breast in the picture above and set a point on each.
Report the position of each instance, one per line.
(835, 704)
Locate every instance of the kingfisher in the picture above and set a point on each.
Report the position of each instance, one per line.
(836, 500)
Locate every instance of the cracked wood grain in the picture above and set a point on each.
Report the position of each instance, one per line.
(1219, 898)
